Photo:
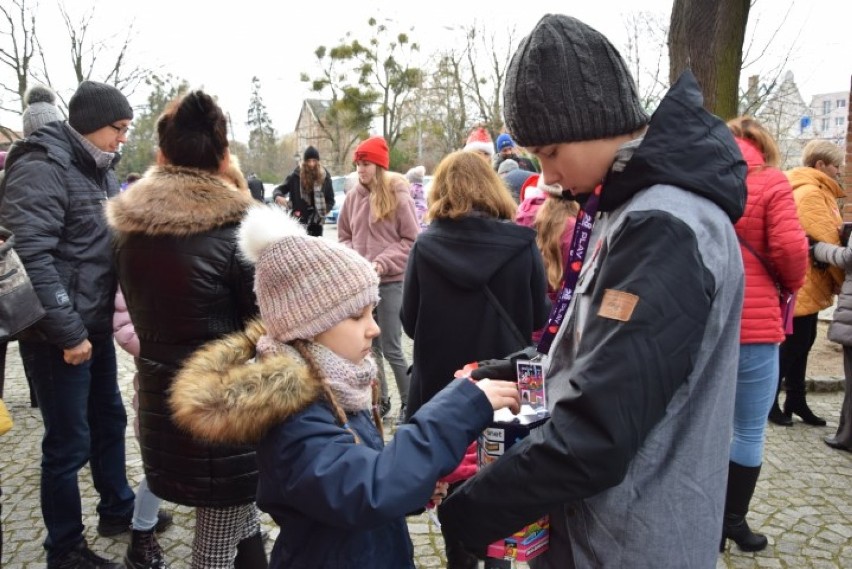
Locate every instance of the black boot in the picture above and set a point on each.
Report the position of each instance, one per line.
(797, 404)
(384, 406)
(251, 554)
(777, 416)
(144, 551)
(741, 483)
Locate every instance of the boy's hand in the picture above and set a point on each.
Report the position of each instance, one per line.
(501, 394)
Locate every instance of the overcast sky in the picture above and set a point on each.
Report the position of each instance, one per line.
(220, 46)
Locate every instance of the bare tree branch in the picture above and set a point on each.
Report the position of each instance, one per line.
(18, 29)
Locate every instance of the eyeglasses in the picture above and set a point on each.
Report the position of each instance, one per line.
(122, 130)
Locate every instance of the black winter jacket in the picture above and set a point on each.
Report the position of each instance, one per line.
(301, 209)
(444, 306)
(52, 200)
(185, 285)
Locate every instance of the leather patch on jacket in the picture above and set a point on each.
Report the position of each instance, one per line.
(617, 305)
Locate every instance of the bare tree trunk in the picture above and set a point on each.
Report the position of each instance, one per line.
(707, 36)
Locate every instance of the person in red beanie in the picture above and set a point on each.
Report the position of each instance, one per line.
(378, 221)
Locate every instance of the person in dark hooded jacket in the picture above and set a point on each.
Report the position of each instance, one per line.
(470, 250)
(469, 245)
(642, 345)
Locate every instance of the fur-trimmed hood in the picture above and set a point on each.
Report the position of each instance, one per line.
(221, 395)
(173, 200)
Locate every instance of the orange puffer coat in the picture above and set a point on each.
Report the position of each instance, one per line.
(816, 197)
(771, 227)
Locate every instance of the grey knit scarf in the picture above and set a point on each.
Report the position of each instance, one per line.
(350, 383)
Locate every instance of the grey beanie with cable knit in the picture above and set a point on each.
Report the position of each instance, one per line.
(95, 105)
(567, 83)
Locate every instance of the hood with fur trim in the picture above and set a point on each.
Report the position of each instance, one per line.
(178, 201)
(223, 395)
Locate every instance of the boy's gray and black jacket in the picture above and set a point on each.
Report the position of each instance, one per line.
(632, 465)
(52, 199)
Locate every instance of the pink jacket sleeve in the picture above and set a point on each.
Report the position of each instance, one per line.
(122, 326)
(394, 258)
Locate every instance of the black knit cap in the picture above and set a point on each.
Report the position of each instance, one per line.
(567, 83)
(311, 153)
(95, 105)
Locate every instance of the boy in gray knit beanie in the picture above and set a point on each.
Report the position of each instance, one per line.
(565, 62)
(642, 344)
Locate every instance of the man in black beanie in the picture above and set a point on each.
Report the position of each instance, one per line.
(56, 186)
(641, 356)
(310, 190)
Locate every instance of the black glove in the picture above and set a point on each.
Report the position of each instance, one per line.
(503, 368)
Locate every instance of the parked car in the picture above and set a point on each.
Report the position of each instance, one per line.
(267, 191)
(339, 195)
(427, 183)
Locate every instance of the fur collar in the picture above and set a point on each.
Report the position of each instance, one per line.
(222, 395)
(172, 200)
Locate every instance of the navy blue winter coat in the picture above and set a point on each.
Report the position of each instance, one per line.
(339, 504)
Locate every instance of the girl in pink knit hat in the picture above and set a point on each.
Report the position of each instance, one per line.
(301, 387)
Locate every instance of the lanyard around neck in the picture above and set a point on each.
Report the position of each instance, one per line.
(576, 255)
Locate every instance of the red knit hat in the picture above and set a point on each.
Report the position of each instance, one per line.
(374, 150)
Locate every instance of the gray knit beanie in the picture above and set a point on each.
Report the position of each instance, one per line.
(567, 83)
(304, 285)
(507, 166)
(95, 105)
(415, 175)
(41, 109)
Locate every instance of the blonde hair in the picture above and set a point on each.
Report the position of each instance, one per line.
(824, 150)
(234, 174)
(314, 369)
(463, 183)
(748, 128)
(383, 201)
(549, 225)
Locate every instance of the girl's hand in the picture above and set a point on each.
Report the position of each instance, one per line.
(378, 268)
(439, 493)
(501, 394)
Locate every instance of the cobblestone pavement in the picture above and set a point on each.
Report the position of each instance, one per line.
(803, 500)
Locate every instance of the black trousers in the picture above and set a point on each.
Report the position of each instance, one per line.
(794, 354)
(315, 229)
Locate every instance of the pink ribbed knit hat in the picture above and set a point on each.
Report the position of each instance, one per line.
(304, 285)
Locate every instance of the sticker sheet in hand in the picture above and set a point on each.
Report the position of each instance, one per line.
(531, 387)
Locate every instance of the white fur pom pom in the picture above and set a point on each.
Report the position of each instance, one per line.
(264, 225)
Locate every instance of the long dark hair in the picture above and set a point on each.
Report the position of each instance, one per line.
(193, 132)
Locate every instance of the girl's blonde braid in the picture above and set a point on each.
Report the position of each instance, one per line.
(315, 371)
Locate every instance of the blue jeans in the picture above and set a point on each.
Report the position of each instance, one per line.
(84, 421)
(146, 508)
(757, 379)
